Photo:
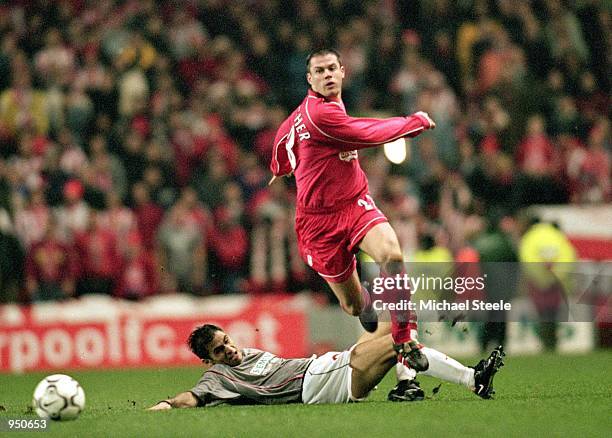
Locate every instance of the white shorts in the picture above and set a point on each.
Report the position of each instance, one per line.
(328, 379)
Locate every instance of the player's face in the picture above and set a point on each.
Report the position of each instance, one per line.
(325, 75)
(222, 350)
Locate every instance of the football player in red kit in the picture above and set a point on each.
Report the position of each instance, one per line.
(335, 215)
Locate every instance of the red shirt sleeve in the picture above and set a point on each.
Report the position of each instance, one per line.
(350, 133)
(283, 144)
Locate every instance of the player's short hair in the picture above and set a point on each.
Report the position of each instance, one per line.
(200, 338)
(321, 52)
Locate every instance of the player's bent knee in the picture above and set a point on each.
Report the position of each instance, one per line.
(355, 358)
(365, 362)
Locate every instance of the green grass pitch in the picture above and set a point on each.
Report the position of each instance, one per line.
(545, 395)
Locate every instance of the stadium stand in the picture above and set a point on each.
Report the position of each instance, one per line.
(140, 131)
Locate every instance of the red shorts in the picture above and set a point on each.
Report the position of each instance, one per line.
(328, 241)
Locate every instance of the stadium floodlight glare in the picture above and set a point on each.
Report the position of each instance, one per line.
(396, 151)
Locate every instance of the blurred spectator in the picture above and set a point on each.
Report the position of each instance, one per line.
(21, 106)
(72, 156)
(162, 193)
(32, 221)
(402, 203)
(107, 170)
(563, 32)
(433, 252)
(247, 120)
(498, 257)
(55, 61)
(595, 26)
(228, 244)
(382, 61)
(189, 148)
(135, 57)
(138, 278)
(536, 153)
(25, 167)
(440, 102)
(538, 161)
(12, 260)
(457, 211)
(148, 214)
(302, 46)
(253, 176)
(590, 167)
(566, 118)
(95, 78)
(73, 215)
(50, 267)
(54, 176)
(494, 124)
(275, 263)
(546, 255)
(592, 101)
(495, 56)
(79, 111)
(100, 262)
(186, 35)
(209, 179)
(120, 220)
(8, 49)
(132, 155)
(159, 173)
(183, 245)
(407, 81)
(351, 43)
(264, 140)
(433, 259)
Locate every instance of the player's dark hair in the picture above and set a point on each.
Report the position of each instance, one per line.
(320, 52)
(200, 339)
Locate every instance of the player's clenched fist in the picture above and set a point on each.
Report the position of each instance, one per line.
(161, 406)
(423, 114)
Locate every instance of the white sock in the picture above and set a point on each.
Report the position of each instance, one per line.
(446, 368)
(404, 373)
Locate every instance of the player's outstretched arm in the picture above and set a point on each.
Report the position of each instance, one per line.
(182, 400)
(361, 132)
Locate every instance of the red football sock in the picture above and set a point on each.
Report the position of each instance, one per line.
(400, 332)
(402, 321)
(367, 300)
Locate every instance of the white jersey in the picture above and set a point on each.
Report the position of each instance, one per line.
(261, 378)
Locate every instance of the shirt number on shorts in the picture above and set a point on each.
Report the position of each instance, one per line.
(367, 203)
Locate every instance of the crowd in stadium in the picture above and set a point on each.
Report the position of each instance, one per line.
(135, 136)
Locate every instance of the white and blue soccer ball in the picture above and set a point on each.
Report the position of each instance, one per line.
(58, 397)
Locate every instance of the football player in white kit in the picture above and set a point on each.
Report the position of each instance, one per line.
(250, 376)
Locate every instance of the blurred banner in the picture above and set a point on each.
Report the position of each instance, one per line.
(100, 332)
(589, 228)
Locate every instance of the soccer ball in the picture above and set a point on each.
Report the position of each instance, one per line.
(58, 397)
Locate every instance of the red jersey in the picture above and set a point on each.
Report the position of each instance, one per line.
(139, 277)
(318, 142)
(50, 261)
(98, 253)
